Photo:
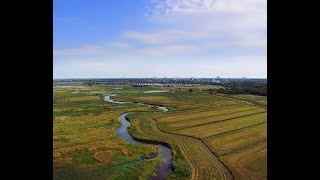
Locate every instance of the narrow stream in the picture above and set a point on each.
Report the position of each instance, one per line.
(164, 153)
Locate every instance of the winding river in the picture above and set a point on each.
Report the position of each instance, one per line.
(164, 153)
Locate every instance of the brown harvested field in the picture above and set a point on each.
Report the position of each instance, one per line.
(249, 163)
(223, 126)
(229, 142)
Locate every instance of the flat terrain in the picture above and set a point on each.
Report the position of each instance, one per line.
(85, 145)
(213, 136)
(203, 163)
(231, 126)
(249, 163)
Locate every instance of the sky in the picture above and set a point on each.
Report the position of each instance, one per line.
(162, 38)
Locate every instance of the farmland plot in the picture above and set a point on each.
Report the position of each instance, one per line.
(224, 126)
(249, 163)
(203, 163)
(229, 142)
(203, 118)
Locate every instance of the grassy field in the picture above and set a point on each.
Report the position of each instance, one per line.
(229, 142)
(84, 141)
(196, 119)
(212, 136)
(223, 126)
(258, 100)
(249, 163)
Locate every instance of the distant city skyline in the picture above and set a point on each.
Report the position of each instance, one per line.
(157, 78)
(172, 38)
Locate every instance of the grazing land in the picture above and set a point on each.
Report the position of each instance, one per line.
(212, 136)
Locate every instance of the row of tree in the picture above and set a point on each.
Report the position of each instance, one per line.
(245, 87)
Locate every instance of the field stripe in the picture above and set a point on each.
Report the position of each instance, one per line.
(176, 114)
(220, 121)
(245, 147)
(216, 128)
(243, 163)
(253, 103)
(210, 116)
(203, 109)
(234, 130)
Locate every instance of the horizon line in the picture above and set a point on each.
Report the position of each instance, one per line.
(166, 78)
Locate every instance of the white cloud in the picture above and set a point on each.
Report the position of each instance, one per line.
(168, 50)
(197, 7)
(214, 31)
(214, 24)
(164, 36)
(235, 20)
(120, 45)
(96, 64)
(248, 66)
(126, 50)
(81, 51)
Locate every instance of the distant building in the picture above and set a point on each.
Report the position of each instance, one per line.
(215, 80)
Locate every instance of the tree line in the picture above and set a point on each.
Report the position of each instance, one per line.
(244, 87)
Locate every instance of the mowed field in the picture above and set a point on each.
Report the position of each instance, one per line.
(236, 134)
(257, 100)
(203, 164)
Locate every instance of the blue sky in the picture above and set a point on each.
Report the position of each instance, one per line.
(172, 38)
